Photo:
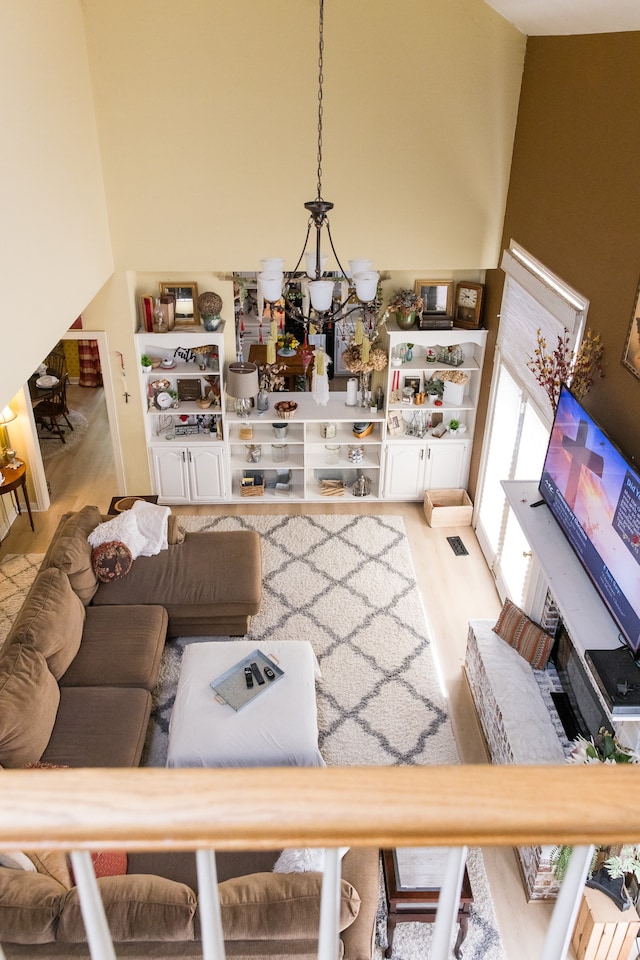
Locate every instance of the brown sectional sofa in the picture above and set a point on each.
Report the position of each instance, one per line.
(76, 676)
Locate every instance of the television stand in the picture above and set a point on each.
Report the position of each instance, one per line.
(618, 677)
(584, 614)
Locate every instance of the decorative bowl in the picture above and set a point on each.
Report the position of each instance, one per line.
(286, 409)
(204, 402)
(160, 386)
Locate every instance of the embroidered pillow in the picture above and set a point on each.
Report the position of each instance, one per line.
(111, 561)
(524, 635)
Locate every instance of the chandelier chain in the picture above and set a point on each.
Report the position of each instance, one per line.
(320, 94)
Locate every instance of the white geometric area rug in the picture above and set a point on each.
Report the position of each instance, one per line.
(347, 584)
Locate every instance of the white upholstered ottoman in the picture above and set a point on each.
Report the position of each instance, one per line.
(277, 729)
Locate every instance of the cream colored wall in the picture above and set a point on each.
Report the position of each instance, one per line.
(54, 235)
(207, 118)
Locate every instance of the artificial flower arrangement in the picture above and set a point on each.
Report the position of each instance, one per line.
(578, 370)
(270, 376)
(287, 341)
(619, 862)
(453, 376)
(405, 301)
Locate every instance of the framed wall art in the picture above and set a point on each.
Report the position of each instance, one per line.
(186, 296)
(631, 355)
(437, 296)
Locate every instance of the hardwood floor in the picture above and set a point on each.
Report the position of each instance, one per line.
(454, 590)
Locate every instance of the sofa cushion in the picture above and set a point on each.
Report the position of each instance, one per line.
(16, 860)
(99, 727)
(73, 555)
(279, 906)
(30, 904)
(138, 907)
(233, 589)
(121, 647)
(28, 692)
(53, 864)
(525, 636)
(51, 620)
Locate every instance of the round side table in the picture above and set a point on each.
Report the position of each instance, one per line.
(13, 478)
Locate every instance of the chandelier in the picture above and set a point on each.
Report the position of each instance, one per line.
(319, 307)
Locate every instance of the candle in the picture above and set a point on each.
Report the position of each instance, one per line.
(312, 329)
(364, 349)
(274, 331)
(352, 392)
(271, 350)
(358, 334)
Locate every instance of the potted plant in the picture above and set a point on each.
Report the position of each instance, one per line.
(145, 363)
(454, 426)
(174, 396)
(434, 388)
(614, 870)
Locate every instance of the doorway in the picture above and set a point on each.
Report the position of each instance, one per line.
(94, 467)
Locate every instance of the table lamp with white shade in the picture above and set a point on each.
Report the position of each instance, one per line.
(7, 415)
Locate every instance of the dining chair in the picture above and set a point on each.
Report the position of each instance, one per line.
(49, 412)
(56, 363)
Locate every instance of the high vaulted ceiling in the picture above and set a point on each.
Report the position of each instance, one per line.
(565, 17)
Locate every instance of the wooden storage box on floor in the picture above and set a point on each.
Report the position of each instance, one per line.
(448, 508)
(602, 931)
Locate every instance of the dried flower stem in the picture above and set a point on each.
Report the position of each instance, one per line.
(578, 370)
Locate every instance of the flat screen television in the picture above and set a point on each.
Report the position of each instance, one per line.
(593, 492)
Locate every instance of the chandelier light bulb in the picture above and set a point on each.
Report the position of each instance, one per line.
(366, 284)
(321, 293)
(271, 285)
(359, 266)
(310, 260)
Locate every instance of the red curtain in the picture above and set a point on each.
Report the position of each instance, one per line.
(90, 372)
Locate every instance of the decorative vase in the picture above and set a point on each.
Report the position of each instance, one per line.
(408, 355)
(364, 388)
(405, 320)
(262, 400)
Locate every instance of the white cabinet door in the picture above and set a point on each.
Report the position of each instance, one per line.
(404, 471)
(446, 464)
(170, 472)
(206, 473)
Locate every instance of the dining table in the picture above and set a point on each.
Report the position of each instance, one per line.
(293, 364)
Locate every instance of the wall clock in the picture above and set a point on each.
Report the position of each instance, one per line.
(467, 309)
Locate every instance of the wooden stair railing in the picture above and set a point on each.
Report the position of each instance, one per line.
(241, 809)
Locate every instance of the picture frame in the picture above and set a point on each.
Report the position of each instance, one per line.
(395, 423)
(413, 382)
(186, 297)
(631, 355)
(437, 297)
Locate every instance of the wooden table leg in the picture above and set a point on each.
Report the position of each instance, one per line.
(391, 926)
(463, 919)
(26, 500)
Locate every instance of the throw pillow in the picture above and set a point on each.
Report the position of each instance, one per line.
(299, 861)
(525, 636)
(111, 561)
(106, 863)
(15, 860)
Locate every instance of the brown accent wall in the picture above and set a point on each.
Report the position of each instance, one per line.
(574, 196)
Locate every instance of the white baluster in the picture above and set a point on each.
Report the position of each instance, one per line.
(209, 902)
(329, 935)
(448, 905)
(565, 911)
(92, 907)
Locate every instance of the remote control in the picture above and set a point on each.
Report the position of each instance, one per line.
(257, 674)
(269, 674)
(248, 676)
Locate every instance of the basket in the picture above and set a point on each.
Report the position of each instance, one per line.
(286, 409)
(255, 490)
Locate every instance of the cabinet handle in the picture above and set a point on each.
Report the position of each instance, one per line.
(184, 459)
(189, 455)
